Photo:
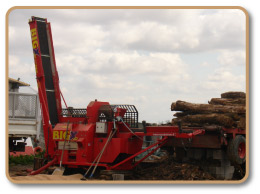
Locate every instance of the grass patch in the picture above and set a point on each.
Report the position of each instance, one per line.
(24, 159)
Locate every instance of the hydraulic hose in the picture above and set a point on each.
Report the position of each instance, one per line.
(44, 167)
(130, 129)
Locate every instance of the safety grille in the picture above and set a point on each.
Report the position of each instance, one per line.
(74, 112)
(106, 113)
(22, 105)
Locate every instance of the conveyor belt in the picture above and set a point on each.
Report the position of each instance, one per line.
(46, 64)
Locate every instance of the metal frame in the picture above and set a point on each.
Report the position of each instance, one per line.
(130, 117)
(73, 112)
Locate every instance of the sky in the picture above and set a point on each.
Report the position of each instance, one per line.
(148, 58)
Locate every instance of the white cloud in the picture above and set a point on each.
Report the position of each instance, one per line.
(224, 80)
(125, 63)
(78, 39)
(22, 69)
(232, 58)
(205, 64)
(223, 29)
(153, 36)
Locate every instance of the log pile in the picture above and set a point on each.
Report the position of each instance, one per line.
(171, 170)
(228, 111)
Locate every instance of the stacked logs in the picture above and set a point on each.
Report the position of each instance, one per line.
(228, 111)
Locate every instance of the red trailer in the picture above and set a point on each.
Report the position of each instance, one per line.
(231, 140)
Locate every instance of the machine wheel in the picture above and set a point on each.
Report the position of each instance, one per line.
(237, 150)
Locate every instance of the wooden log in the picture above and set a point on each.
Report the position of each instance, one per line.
(234, 116)
(233, 95)
(181, 114)
(205, 108)
(207, 119)
(228, 101)
(241, 124)
(176, 121)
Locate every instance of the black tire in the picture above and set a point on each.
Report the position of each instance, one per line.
(236, 150)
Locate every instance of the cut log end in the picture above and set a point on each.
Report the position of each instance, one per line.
(233, 95)
(228, 101)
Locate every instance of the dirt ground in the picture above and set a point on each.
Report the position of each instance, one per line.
(166, 169)
(19, 170)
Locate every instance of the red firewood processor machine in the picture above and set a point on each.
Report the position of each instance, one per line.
(101, 135)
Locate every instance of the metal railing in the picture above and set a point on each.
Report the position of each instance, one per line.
(23, 105)
(106, 112)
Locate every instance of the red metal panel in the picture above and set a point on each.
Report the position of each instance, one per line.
(204, 141)
(112, 150)
(92, 110)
